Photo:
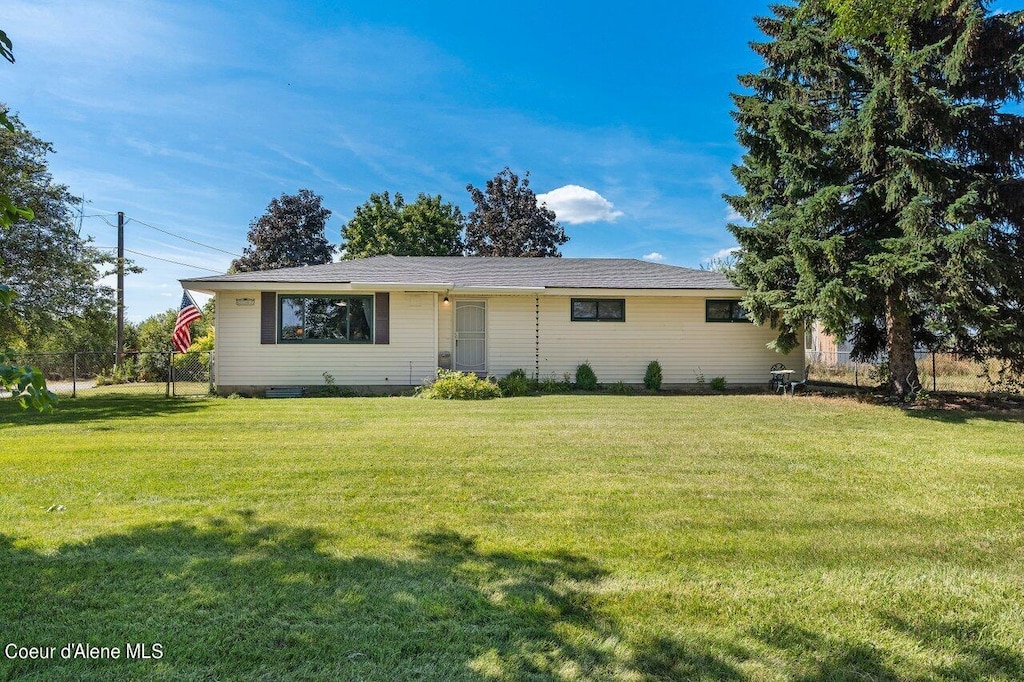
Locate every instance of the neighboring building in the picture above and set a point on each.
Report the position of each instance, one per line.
(389, 322)
(823, 348)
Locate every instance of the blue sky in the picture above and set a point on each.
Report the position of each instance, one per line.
(191, 116)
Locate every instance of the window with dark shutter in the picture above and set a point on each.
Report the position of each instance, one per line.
(324, 318)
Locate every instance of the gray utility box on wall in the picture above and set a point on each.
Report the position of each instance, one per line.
(444, 360)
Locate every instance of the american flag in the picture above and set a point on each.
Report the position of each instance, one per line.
(188, 314)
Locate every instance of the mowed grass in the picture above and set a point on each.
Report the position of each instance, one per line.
(556, 537)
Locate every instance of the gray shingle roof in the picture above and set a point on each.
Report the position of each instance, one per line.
(458, 271)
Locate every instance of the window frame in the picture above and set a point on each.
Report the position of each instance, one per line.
(597, 309)
(368, 300)
(733, 303)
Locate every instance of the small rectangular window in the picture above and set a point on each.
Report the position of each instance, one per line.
(725, 311)
(584, 310)
(325, 319)
(598, 309)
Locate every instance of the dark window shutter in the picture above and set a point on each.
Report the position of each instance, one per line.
(268, 317)
(382, 311)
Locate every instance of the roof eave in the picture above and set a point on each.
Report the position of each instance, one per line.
(688, 292)
(208, 287)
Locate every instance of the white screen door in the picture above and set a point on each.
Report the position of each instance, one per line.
(471, 336)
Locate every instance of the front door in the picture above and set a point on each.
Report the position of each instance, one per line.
(471, 336)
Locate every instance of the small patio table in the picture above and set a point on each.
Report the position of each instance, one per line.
(782, 378)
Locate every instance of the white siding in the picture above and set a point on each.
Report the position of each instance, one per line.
(668, 329)
(445, 326)
(243, 361)
(511, 334)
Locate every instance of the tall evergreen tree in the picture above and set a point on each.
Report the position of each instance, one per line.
(883, 186)
(426, 227)
(289, 234)
(508, 221)
(889, 18)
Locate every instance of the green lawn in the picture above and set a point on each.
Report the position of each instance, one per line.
(556, 537)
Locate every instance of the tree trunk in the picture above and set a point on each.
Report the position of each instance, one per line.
(900, 343)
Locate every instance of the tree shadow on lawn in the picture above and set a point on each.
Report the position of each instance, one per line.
(976, 657)
(90, 409)
(822, 658)
(830, 657)
(242, 600)
(962, 416)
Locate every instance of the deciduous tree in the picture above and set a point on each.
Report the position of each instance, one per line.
(152, 337)
(883, 186)
(426, 227)
(24, 382)
(52, 269)
(289, 234)
(508, 221)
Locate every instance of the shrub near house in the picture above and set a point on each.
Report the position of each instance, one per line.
(451, 385)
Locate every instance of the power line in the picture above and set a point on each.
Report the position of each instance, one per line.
(186, 239)
(168, 233)
(166, 260)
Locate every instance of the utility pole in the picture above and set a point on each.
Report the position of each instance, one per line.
(120, 288)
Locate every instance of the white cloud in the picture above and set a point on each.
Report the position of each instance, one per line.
(723, 253)
(654, 257)
(733, 216)
(576, 205)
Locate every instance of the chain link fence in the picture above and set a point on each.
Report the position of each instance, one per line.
(174, 374)
(943, 372)
(166, 373)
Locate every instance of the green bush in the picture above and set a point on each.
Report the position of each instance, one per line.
(126, 373)
(194, 364)
(620, 388)
(652, 377)
(152, 366)
(586, 380)
(717, 384)
(450, 385)
(515, 384)
(553, 385)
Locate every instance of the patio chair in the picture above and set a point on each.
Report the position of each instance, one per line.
(802, 384)
(777, 383)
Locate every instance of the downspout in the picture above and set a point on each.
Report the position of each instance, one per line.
(536, 339)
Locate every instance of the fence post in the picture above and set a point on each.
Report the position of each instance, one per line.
(210, 370)
(934, 384)
(170, 370)
(74, 375)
